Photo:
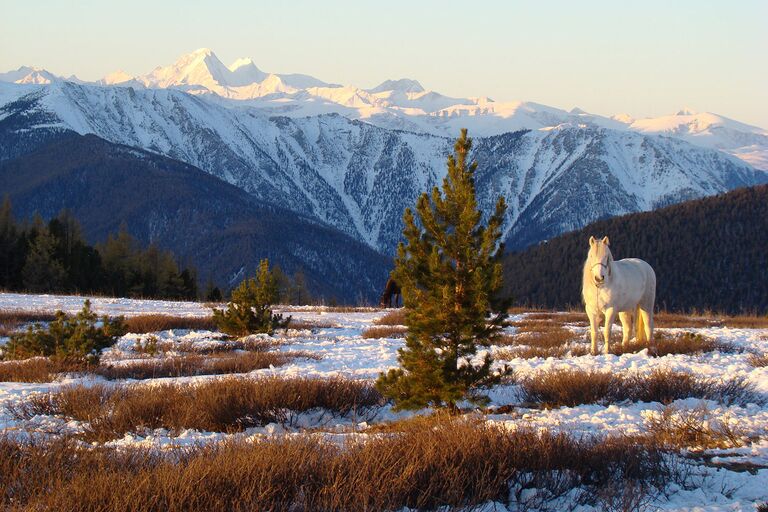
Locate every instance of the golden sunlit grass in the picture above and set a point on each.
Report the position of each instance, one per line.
(229, 404)
(455, 464)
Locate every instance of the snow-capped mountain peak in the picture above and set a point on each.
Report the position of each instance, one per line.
(244, 72)
(401, 85)
(29, 75)
(199, 68)
(686, 111)
(404, 104)
(117, 77)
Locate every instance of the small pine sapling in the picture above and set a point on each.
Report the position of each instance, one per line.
(78, 338)
(250, 309)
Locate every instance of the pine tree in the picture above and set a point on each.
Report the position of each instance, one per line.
(42, 272)
(79, 337)
(250, 310)
(449, 272)
(212, 292)
(12, 251)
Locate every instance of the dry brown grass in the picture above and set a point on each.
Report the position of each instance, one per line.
(455, 465)
(676, 428)
(249, 344)
(12, 320)
(674, 343)
(758, 360)
(572, 387)
(143, 324)
(329, 309)
(229, 404)
(665, 319)
(310, 325)
(539, 338)
(394, 317)
(385, 331)
(568, 317)
(197, 364)
(38, 369)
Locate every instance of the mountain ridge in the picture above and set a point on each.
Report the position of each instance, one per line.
(405, 104)
(359, 177)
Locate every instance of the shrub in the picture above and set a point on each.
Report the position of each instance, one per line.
(66, 337)
(250, 311)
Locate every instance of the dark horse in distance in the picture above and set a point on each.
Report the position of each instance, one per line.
(391, 294)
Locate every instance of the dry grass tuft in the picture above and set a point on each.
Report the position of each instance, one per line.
(11, 321)
(197, 364)
(222, 405)
(570, 317)
(572, 387)
(675, 428)
(38, 369)
(385, 331)
(758, 360)
(675, 343)
(455, 465)
(143, 324)
(152, 346)
(665, 319)
(393, 317)
(537, 338)
(303, 324)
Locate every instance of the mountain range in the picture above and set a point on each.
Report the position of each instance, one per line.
(406, 105)
(352, 159)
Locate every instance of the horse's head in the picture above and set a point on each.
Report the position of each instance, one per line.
(600, 260)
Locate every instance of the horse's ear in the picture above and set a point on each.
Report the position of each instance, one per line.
(605, 240)
(592, 240)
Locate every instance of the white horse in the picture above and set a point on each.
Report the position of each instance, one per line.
(626, 287)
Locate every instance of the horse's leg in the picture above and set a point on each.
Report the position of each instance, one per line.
(647, 316)
(610, 315)
(594, 323)
(626, 327)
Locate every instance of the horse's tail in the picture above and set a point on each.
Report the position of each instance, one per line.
(640, 333)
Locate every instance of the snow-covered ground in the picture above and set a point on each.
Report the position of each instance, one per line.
(723, 484)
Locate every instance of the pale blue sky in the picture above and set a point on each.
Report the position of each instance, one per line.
(646, 58)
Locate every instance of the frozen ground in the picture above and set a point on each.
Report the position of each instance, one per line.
(723, 482)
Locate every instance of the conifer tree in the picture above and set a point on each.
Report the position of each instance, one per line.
(449, 272)
(250, 310)
(42, 272)
(12, 252)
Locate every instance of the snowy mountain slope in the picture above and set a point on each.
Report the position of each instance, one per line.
(405, 104)
(221, 230)
(359, 177)
(749, 143)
